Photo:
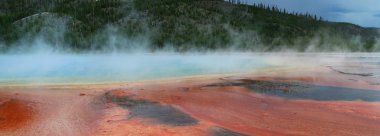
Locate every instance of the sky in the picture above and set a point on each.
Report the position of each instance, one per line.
(361, 12)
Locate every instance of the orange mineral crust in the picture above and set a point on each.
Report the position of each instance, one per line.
(15, 114)
(254, 114)
(32, 111)
(275, 102)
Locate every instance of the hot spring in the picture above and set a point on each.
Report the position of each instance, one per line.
(51, 68)
(90, 68)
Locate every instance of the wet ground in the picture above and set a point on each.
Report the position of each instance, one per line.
(307, 91)
(161, 114)
(321, 99)
(224, 132)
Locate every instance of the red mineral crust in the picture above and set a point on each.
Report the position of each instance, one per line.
(15, 114)
(202, 106)
(237, 109)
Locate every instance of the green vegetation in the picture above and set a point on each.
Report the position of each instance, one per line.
(179, 24)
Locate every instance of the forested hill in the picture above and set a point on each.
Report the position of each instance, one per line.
(181, 25)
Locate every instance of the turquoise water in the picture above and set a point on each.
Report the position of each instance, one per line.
(47, 68)
(90, 68)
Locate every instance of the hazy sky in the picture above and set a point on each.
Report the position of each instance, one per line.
(361, 12)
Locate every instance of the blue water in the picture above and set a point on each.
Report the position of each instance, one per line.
(89, 68)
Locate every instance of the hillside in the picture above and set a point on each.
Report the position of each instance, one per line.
(181, 25)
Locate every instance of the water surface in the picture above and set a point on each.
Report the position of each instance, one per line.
(90, 68)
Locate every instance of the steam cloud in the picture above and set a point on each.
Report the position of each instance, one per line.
(42, 57)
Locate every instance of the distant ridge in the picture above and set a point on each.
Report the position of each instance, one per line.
(180, 25)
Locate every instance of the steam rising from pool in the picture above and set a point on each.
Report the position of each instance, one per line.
(90, 68)
(68, 68)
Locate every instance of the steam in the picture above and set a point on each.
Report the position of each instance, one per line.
(47, 66)
(122, 59)
(43, 56)
(88, 68)
(48, 31)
